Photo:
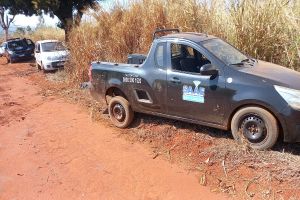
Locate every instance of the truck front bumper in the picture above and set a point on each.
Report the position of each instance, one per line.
(21, 57)
(290, 121)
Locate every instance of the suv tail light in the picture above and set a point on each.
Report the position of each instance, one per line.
(90, 73)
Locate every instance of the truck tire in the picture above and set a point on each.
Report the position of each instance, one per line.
(255, 126)
(120, 112)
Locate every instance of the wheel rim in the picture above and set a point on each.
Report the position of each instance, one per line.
(119, 112)
(253, 128)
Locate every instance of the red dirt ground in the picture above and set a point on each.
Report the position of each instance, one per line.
(51, 149)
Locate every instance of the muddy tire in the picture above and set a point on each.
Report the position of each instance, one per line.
(255, 126)
(120, 112)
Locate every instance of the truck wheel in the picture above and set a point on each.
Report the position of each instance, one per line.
(256, 126)
(120, 112)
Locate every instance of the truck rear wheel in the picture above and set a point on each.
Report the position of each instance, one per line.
(120, 112)
(255, 126)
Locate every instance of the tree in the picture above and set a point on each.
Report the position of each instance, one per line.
(10, 8)
(28, 30)
(5, 20)
(20, 31)
(69, 12)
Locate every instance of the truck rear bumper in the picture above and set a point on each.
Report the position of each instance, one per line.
(98, 96)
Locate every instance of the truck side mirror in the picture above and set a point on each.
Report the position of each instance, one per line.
(209, 70)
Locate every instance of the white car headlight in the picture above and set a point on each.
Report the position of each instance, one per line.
(291, 96)
(49, 58)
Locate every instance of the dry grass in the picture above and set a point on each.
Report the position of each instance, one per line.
(268, 30)
(44, 33)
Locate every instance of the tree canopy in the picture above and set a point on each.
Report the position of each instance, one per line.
(15, 7)
(69, 12)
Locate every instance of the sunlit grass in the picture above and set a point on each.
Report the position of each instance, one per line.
(268, 29)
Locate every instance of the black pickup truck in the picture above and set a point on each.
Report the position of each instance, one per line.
(201, 79)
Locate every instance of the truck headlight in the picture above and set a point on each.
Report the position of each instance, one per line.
(291, 96)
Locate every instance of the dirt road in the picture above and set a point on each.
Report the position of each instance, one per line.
(50, 149)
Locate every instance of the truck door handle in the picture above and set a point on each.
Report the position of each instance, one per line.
(175, 80)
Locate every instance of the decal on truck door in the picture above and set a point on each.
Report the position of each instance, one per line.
(130, 78)
(194, 95)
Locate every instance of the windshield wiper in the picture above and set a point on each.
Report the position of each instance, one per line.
(240, 63)
(244, 61)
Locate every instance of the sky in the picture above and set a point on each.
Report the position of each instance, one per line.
(24, 21)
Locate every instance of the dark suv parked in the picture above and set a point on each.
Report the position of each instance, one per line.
(18, 49)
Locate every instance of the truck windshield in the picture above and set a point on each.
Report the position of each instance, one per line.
(52, 46)
(225, 52)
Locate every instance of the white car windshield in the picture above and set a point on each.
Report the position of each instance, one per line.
(53, 46)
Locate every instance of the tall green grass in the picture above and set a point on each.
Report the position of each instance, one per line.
(265, 29)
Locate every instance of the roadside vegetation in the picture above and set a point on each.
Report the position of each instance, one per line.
(267, 30)
(41, 33)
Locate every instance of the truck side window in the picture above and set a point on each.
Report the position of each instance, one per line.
(159, 55)
(187, 59)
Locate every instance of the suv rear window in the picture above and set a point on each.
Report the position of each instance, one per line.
(16, 45)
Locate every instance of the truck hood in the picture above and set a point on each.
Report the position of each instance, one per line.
(275, 73)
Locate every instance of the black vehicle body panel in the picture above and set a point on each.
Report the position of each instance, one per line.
(234, 87)
(23, 53)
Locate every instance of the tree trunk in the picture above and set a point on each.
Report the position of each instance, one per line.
(6, 34)
(68, 25)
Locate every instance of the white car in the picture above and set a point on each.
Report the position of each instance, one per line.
(50, 54)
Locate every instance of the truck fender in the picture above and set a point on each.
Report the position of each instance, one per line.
(254, 102)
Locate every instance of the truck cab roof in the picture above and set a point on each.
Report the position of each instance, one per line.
(194, 37)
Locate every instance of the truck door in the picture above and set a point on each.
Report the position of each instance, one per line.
(149, 92)
(189, 94)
